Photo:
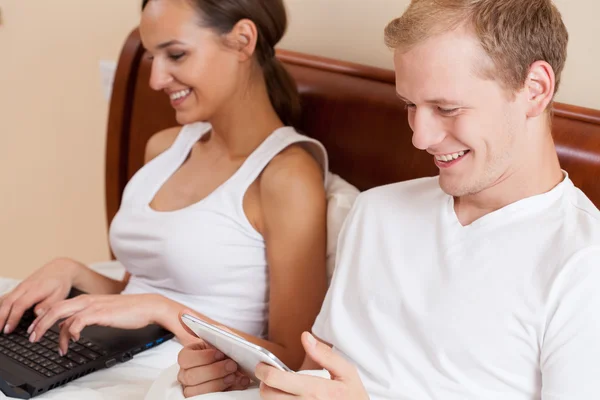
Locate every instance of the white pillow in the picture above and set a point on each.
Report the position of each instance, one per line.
(340, 199)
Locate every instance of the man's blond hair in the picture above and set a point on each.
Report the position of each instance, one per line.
(513, 33)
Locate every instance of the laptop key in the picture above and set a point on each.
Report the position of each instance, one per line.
(79, 359)
(85, 342)
(57, 369)
(99, 350)
(76, 347)
(68, 364)
(89, 354)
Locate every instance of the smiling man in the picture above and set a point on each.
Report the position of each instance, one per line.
(484, 282)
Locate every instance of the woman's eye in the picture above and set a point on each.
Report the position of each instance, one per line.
(176, 56)
(410, 106)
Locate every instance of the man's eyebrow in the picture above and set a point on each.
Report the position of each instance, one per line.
(437, 101)
(442, 100)
(167, 44)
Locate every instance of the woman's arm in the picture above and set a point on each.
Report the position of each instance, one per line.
(293, 224)
(92, 282)
(294, 207)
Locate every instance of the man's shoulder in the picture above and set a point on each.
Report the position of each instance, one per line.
(584, 217)
(584, 206)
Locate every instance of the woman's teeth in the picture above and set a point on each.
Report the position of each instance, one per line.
(180, 94)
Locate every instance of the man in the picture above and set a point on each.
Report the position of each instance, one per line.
(484, 282)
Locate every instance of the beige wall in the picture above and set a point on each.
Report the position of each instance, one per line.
(52, 124)
(53, 114)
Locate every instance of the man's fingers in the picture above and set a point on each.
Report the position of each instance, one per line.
(197, 354)
(338, 367)
(288, 382)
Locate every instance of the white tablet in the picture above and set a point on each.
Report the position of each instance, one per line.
(247, 355)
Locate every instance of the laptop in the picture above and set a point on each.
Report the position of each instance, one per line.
(30, 369)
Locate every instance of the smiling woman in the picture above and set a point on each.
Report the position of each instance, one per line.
(207, 70)
(228, 215)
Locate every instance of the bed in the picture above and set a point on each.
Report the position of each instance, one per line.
(352, 109)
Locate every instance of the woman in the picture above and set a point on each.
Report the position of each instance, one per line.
(228, 215)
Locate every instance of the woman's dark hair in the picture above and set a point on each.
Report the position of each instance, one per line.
(270, 19)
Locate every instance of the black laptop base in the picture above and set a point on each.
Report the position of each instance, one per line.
(28, 370)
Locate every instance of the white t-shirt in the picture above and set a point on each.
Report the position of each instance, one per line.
(507, 308)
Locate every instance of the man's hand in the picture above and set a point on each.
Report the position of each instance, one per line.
(344, 384)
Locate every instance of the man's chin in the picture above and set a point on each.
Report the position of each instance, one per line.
(454, 187)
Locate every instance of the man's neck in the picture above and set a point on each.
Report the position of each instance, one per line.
(540, 174)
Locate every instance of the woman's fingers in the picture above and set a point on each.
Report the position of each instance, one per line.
(63, 309)
(207, 373)
(214, 386)
(15, 304)
(197, 355)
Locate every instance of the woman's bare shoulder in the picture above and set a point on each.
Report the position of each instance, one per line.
(160, 141)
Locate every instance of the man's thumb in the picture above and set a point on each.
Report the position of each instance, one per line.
(323, 355)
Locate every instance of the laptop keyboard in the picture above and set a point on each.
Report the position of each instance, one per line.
(43, 356)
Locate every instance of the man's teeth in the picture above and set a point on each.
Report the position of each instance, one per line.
(180, 94)
(450, 157)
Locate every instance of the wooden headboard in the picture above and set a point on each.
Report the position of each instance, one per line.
(352, 109)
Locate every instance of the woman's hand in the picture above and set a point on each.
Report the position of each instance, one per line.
(45, 287)
(116, 310)
(203, 369)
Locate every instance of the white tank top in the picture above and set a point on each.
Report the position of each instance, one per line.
(206, 256)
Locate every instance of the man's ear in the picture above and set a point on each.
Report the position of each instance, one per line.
(539, 88)
(243, 38)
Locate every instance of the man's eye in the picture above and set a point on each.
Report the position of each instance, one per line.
(447, 111)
